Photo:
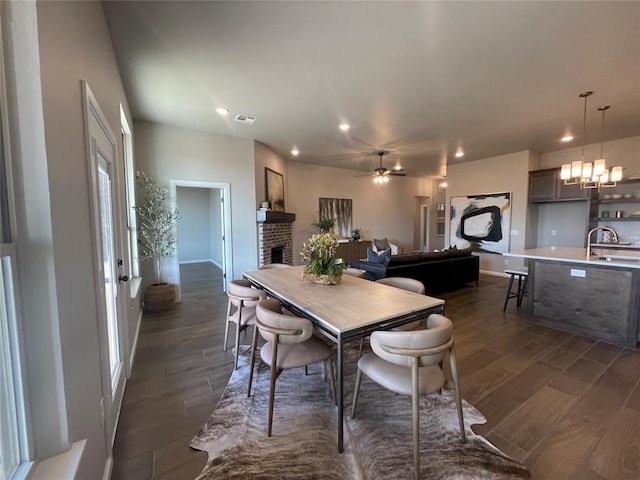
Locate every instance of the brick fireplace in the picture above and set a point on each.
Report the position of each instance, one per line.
(275, 237)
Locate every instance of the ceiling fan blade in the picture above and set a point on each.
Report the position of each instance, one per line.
(397, 174)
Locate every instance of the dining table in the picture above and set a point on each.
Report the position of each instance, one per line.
(345, 312)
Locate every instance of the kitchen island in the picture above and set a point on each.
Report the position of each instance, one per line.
(598, 297)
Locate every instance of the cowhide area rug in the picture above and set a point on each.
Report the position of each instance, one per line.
(378, 442)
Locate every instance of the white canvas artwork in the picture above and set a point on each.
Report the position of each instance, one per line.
(481, 222)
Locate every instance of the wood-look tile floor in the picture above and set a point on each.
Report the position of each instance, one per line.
(567, 406)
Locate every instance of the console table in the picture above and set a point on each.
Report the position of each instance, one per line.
(352, 251)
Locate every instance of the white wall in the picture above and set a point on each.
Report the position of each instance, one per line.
(506, 173)
(173, 153)
(74, 45)
(380, 210)
(194, 226)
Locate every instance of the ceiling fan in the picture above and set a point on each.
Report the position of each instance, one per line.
(381, 173)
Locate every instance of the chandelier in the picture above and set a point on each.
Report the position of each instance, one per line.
(587, 174)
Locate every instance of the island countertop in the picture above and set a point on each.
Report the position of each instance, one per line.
(604, 257)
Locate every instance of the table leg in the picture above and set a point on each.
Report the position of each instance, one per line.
(340, 381)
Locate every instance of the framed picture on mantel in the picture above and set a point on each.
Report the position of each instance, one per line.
(274, 188)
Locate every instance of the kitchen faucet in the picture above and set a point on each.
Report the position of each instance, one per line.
(609, 229)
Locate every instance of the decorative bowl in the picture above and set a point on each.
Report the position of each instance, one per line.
(606, 197)
(616, 196)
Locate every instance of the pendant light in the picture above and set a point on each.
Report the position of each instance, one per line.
(596, 174)
(573, 173)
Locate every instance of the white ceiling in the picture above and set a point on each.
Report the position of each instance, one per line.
(416, 78)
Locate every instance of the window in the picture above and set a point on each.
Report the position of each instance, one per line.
(13, 450)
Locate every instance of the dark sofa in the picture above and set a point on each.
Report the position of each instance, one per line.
(438, 271)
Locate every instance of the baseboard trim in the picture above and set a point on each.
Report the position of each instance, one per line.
(495, 274)
(134, 345)
(204, 260)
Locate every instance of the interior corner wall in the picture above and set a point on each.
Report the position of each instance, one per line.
(170, 153)
(380, 210)
(215, 207)
(75, 45)
(506, 173)
(264, 157)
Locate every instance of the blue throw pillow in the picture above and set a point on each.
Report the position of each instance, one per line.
(374, 257)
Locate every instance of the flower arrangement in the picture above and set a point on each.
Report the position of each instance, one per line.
(319, 255)
(355, 234)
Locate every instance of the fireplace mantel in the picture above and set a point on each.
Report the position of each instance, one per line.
(270, 216)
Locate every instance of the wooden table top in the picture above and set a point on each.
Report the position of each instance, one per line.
(352, 304)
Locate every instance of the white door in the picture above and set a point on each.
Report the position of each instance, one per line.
(424, 228)
(110, 276)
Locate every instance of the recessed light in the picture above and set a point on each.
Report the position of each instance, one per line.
(222, 110)
(459, 153)
(566, 138)
(295, 152)
(344, 127)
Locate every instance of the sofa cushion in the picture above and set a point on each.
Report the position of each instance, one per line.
(381, 244)
(382, 257)
(404, 259)
(427, 256)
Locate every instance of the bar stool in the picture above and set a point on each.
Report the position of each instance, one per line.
(521, 292)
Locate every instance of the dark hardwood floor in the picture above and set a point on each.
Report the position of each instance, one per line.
(566, 406)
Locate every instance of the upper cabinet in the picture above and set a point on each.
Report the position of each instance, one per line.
(546, 186)
(543, 185)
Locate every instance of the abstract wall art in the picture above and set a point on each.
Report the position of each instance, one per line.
(481, 222)
(274, 187)
(340, 210)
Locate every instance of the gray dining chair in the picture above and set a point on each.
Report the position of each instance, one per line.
(241, 310)
(405, 283)
(289, 343)
(408, 363)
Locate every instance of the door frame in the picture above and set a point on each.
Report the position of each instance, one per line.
(227, 248)
(111, 397)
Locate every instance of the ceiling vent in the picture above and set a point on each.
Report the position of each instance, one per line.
(246, 119)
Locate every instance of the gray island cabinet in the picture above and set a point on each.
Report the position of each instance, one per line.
(598, 298)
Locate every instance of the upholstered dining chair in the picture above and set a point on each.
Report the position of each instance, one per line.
(289, 343)
(241, 310)
(354, 272)
(405, 283)
(268, 266)
(407, 363)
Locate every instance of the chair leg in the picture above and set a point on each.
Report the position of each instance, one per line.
(456, 383)
(238, 329)
(361, 347)
(254, 345)
(272, 383)
(306, 369)
(355, 393)
(415, 416)
(226, 327)
(506, 300)
(332, 380)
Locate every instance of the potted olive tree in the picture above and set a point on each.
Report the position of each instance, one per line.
(156, 227)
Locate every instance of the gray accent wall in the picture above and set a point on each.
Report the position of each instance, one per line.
(194, 226)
